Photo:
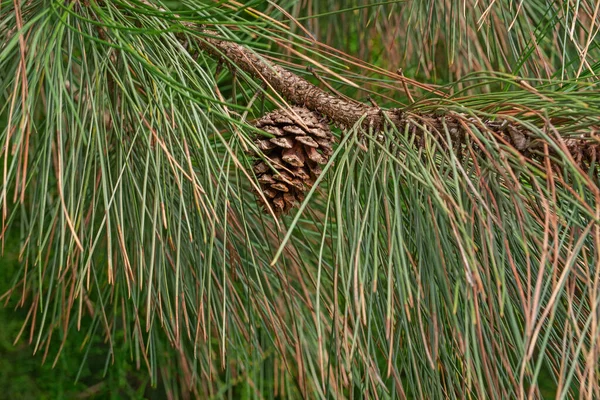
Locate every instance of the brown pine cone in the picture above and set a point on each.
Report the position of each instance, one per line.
(300, 141)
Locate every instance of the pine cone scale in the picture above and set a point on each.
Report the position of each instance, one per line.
(307, 141)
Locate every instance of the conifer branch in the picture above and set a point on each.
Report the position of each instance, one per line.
(345, 114)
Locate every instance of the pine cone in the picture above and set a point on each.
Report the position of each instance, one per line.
(301, 141)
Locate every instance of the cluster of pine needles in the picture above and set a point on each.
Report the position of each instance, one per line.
(451, 253)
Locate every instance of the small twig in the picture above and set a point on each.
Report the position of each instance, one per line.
(400, 72)
(373, 102)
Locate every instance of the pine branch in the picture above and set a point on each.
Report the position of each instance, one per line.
(345, 114)
(294, 88)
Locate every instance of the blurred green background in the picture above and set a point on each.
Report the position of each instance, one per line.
(81, 371)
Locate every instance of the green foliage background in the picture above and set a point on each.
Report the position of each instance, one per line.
(78, 373)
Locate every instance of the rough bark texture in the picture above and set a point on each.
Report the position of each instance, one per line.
(294, 88)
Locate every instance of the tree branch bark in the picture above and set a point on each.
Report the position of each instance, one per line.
(296, 89)
(346, 114)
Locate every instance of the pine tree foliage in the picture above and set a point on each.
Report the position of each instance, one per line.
(453, 253)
